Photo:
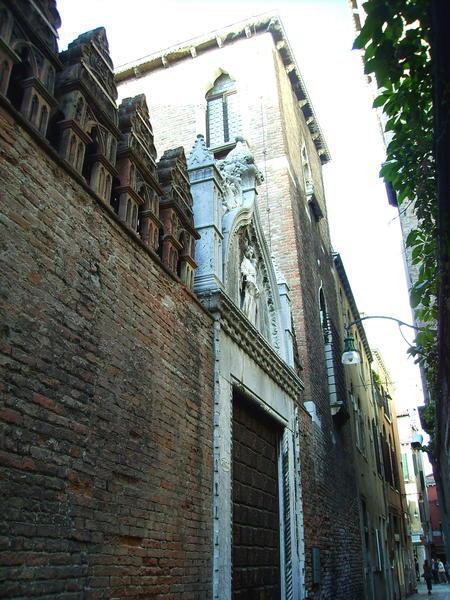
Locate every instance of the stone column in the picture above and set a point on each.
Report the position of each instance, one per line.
(205, 180)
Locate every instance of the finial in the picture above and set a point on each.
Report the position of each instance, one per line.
(200, 155)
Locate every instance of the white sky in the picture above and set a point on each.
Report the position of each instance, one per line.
(364, 228)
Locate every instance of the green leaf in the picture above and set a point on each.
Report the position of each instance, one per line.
(362, 39)
(412, 237)
(379, 101)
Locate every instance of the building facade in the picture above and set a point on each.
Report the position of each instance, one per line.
(387, 550)
(176, 421)
(226, 100)
(437, 542)
(415, 486)
(149, 440)
(400, 552)
(257, 504)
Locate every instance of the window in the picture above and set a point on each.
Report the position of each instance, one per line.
(379, 549)
(376, 447)
(333, 365)
(362, 430)
(387, 459)
(422, 480)
(416, 470)
(356, 418)
(405, 468)
(365, 527)
(223, 122)
(387, 408)
(307, 176)
(394, 465)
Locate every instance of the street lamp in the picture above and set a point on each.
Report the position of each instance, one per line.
(416, 441)
(417, 444)
(351, 355)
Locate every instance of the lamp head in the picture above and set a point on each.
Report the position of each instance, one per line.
(350, 355)
(416, 441)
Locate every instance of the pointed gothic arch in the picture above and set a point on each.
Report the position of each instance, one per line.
(223, 121)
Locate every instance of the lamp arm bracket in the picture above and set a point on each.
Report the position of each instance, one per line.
(398, 321)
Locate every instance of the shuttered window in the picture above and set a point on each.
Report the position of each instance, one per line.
(215, 122)
(287, 517)
(223, 122)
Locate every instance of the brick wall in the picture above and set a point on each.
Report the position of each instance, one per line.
(331, 514)
(106, 391)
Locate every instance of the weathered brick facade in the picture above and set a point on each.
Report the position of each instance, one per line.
(106, 392)
(276, 126)
(329, 486)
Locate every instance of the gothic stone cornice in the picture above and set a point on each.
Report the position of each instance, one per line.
(236, 325)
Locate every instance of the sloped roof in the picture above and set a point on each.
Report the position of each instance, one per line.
(268, 22)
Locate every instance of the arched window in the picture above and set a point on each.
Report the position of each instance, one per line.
(223, 122)
(108, 186)
(132, 175)
(43, 120)
(79, 111)
(115, 195)
(183, 251)
(128, 214)
(307, 176)
(72, 149)
(34, 108)
(50, 79)
(20, 71)
(92, 150)
(78, 163)
(101, 183)
(3, 73)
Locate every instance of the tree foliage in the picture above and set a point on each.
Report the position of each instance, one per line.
(395, 39)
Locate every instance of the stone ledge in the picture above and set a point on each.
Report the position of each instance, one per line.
(238, 327)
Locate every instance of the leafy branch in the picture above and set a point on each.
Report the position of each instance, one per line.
(395, 39)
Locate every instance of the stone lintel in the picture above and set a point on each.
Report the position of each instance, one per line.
(238, 327)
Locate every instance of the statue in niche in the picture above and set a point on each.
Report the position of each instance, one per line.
(248, 284)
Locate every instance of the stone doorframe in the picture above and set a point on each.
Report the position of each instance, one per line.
(274, 387)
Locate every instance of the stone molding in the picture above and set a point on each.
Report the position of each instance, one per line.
(226, 215)
(235, 324)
